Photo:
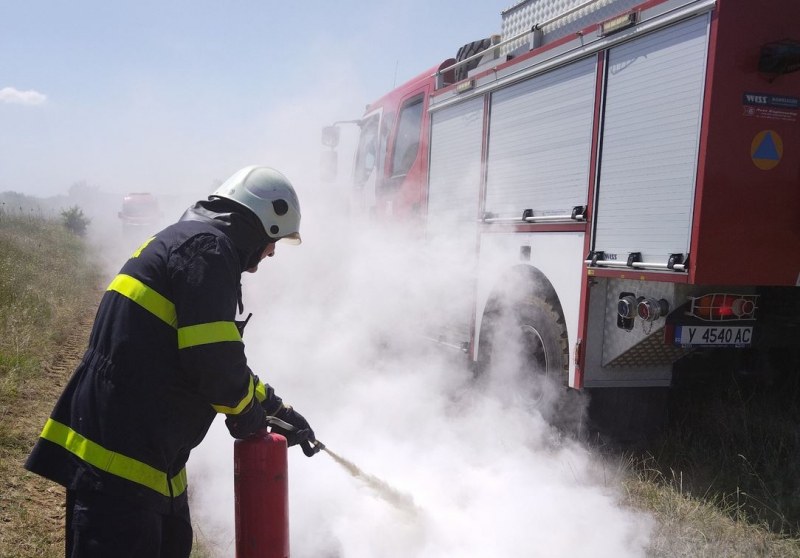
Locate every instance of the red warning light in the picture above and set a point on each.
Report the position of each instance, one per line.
(723, 306)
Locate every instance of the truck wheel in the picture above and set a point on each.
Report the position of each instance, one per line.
(465, 52)
(535, 328)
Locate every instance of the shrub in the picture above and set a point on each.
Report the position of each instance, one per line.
(74, 220)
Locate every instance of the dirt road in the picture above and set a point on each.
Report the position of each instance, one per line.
(32, 508)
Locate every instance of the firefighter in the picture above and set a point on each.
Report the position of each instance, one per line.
(166, 356)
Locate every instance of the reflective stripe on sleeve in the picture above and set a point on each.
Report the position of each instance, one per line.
(145, 297)
(162, 308)
(242, 404)
(113, 462)
(261, 391)
(203, 334)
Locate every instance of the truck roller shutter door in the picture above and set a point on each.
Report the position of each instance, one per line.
(455, 167)
(453, 204)
(651, 130)
(540, 143)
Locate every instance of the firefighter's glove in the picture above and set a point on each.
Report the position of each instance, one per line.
(247, 422)
(301, 433)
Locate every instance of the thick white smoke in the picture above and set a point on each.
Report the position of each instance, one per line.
(342, 329)
(339, 329)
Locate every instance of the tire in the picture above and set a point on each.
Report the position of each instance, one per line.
(466, 51)
(539, 374)
(536, 329)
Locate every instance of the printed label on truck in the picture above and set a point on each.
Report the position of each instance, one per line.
(773, 107)
(713, 336)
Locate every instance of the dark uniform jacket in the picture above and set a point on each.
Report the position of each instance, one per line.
(164, 357)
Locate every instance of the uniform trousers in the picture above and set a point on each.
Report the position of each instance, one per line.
(102, 526)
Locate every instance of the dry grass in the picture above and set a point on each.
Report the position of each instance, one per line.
(699, 526)
(724, 478)
(735, 440)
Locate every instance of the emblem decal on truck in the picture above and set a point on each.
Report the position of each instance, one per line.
(766, 150)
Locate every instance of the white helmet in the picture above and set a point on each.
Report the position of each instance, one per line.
(269, 195)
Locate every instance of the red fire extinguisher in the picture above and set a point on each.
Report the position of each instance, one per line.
(262, 496)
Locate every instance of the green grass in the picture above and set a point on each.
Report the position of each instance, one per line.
(46, 280)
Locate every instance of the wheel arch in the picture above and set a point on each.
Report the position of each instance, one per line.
(515, 285)
(522, 281)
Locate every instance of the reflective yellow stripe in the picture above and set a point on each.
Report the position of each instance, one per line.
(241, 406)
(138, 252)
(161, 307)
(179, 483)
(203, 334)
(145, 297)
(261, 391)
(113, 462)
(189, 336)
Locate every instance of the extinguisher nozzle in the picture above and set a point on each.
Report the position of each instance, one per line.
(311, 447)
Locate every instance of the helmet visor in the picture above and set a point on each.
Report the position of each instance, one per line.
(293, 238)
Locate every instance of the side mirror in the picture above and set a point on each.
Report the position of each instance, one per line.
(330, 136)
(329, 165)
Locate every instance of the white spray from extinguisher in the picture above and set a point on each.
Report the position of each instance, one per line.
(399, 500)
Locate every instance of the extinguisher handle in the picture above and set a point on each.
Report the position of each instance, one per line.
(309, 447)
(275, 421)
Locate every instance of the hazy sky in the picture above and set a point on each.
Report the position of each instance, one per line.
(132, 96)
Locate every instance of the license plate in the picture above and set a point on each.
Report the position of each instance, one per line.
(713, 336)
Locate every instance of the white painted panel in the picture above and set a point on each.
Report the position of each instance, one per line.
(540, 142)
(559, 256)
(650, 142)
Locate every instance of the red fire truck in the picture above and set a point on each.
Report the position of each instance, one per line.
(635, 167)
(139, 213)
